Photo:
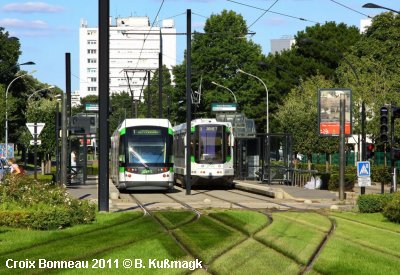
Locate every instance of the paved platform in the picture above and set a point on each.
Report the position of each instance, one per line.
(282, 193)
(285, 191)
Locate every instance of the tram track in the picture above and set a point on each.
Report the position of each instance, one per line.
(304, 268)
(169, 231)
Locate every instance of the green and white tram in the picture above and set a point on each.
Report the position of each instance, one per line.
(211, 152)
(141, 155)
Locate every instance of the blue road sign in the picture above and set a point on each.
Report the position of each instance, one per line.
(363, 169)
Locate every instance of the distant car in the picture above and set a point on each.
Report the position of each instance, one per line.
(4, 168)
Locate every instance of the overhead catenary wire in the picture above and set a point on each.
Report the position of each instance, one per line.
(340, 4)
(262, 14)
(282, 14)
(151, 27)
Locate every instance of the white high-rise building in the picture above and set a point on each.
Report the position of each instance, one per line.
(134, 50)
(284, 43)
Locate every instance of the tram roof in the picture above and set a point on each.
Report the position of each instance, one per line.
(131, 122)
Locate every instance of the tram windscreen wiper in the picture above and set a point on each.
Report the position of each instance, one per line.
(141, 160)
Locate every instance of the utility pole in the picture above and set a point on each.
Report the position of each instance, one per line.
(160, 78)
(104, 86)
(188, 98)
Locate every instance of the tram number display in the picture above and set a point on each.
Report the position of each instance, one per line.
(210, 128)
(147, 132)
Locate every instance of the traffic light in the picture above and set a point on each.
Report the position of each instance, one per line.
(370, 150)
(395, 154)
(384, 125)
(396, 112)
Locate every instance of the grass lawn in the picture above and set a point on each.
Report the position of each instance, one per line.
(158, 247)
(342, 256)
(208, 238)
(220, 240)
(245, 221)
(174, 219)
(251, 257)
(368, 236)
(296, 240)
(373, 219)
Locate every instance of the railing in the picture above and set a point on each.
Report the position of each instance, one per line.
(300, 177)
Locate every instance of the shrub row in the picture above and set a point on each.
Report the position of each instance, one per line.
(373, 203)
(27, 203)
(392, 209)
(388, 204)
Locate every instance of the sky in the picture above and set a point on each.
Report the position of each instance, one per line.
(47, 29)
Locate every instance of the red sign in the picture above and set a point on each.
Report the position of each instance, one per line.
(333, 128)
(329, 108)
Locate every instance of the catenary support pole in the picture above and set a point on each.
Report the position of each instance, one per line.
(188, 99)
(104, 66)
(342, 152)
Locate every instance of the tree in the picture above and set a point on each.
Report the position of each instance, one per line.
(9, 54)
(298, 117)
(375, 59)
(216, 55)
(41, 111)
(121, 109)
(321, 55)
(167, 91)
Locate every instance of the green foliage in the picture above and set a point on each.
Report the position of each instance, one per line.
(216, 55)
(28, 203)
(373, 203)
(9, 54)
(153, 97)
(41, 111)
(245, 221)
(349, 180)
(298, 117)
(392, 209)
(381, 174)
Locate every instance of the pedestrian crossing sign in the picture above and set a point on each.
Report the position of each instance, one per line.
(363, 169)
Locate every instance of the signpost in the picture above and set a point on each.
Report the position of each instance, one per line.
(364, 173)
(35, 129)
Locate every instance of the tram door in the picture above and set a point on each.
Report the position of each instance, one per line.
(247, 158)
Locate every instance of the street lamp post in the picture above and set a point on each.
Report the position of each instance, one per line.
(375, 6)
(18, 64)
(219, 85)
(35, 92)
(266, 90)
(8, 87)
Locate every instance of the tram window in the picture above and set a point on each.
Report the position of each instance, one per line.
(121, 153)
(209, 144)
(147, 145)
(227, 144)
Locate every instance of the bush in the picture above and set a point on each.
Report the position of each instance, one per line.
(373, 203)
(349, 179)
(392, 209)
(27, 203)
(381, 174)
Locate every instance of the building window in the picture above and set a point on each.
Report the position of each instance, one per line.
(92, 89)
(91, 70)
(92, 42)
(92, 79)
(91, 60)
(91, 51)
(91, 32)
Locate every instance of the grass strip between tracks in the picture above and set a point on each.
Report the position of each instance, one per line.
(247, 222)
(295, 240)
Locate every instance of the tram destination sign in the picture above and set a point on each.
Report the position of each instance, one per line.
(223, 107)
(147, 132)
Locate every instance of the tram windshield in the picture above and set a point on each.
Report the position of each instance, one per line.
(148, 145)
(209, 141)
